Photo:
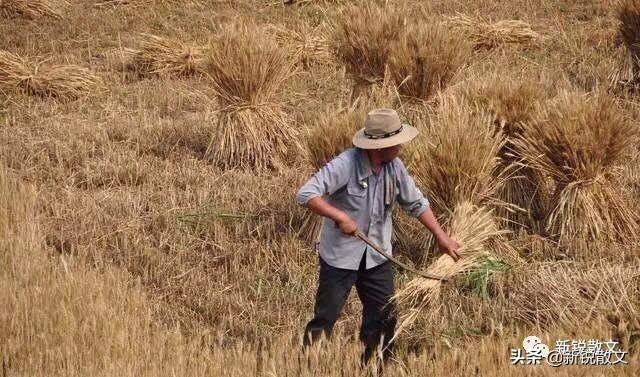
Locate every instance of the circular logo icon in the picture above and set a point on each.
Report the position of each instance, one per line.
(529, 342)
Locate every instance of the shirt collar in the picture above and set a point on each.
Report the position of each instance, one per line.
(364, 169)
(364, 165)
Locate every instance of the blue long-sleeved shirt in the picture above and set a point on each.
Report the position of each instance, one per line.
(349, 183)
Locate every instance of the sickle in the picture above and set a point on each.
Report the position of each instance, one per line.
(377, 248)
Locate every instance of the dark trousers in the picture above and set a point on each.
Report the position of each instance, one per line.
(375, 288)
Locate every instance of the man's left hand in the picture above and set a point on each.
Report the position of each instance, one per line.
(449, 246)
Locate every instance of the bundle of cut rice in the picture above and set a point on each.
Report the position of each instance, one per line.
(513, 102)
(490, 35)
(455, 157)
(308, 45)
(582, 142)
(474, 228)
(363, 38)
(66, 82)
(165, 56)
(32, 9)
(628, 13)
(134, 3)
(426, 59)
(248, 70)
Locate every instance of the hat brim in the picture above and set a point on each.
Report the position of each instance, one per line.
(407, 134)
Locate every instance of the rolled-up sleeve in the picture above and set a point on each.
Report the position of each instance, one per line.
(329, 179)
(409, 195)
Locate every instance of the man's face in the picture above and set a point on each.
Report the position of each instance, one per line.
(388, 154)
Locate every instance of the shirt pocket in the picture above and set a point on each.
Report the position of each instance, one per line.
(354, 188)
(354, 198)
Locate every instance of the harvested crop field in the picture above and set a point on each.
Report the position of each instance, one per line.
(151, 151)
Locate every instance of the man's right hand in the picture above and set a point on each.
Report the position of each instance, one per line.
(347, 225)
(342, 220)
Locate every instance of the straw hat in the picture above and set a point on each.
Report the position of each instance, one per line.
(382, 129)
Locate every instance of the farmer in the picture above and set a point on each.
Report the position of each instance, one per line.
(357, 190)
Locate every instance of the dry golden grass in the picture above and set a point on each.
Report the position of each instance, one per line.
(551, 295)
(69, 305)
(489, 35)
(114, 3)
(124, 250)
(307, 2)
(425, 60)
(165, 56)
(16, 208)
(581, 142)
(65, 314)
(71, 314)
(66, 82)
(32, 9)
(248, 70)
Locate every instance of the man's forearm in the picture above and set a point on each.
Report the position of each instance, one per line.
(428, 219)
(323, 208)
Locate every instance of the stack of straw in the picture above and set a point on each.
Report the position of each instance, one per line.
(490, 35)
(31, 9)
(66, 82)
(582, 143)
(628, 13)
(308, 46)
(455, 158)
(363, 38)
(248, 71)
(426, 59)
(513, 102)
(165, 56)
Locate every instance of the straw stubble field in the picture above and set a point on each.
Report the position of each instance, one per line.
(151, 150)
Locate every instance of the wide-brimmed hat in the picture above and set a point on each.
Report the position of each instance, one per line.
(382, 129)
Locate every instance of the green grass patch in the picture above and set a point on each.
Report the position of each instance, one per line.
(477, 281)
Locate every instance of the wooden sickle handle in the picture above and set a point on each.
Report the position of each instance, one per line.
(377, 248)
